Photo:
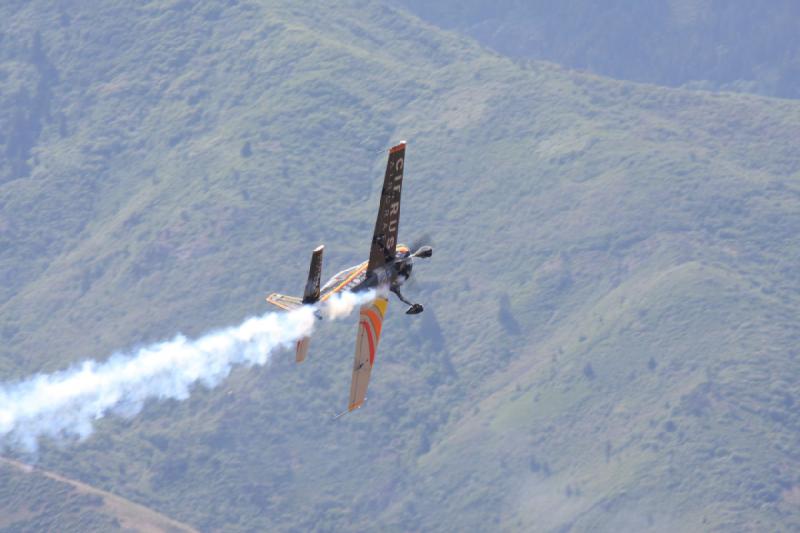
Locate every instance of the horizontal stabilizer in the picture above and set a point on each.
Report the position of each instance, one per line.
(302, 349)
(284, 302)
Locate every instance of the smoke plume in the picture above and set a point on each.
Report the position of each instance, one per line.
(65, 404)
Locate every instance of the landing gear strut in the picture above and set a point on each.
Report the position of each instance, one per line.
(414, 309)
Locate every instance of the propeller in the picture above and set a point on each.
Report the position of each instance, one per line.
(424, 251)
(422, 246)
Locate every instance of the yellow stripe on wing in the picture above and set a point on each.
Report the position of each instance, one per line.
(381, 304)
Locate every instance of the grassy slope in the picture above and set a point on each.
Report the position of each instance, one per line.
(638, 372)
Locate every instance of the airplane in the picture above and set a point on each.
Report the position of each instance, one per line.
(388, 267)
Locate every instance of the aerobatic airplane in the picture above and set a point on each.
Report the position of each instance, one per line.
(388, 267)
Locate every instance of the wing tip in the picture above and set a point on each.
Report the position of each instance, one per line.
(399, 146)
(350, 408)
(282, 301)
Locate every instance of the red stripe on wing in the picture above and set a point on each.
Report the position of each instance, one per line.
(365, 325)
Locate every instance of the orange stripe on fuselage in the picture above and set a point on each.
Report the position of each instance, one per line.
(349, 278)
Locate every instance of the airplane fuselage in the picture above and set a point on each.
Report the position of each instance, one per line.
(358, 278)
(392, 274)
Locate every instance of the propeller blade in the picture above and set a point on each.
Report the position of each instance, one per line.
(424, 251)
(422, 241)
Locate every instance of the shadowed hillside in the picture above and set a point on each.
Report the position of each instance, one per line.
(610, 332)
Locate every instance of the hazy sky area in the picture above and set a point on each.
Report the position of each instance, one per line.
(610, 339)
(734, 45)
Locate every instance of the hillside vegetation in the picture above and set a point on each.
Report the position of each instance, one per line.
(610, 335)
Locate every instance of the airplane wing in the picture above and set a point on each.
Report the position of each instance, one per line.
(369, 333)
(284, 302)
(384, 239)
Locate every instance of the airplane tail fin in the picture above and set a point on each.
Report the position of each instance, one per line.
(310, 296)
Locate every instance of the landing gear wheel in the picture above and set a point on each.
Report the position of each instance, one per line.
(415, 309)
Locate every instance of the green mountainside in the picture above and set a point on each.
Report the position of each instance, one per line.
(610, 335)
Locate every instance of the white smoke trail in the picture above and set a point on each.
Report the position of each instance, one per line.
(65, 403)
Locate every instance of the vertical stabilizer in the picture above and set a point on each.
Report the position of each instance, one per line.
(310, 296)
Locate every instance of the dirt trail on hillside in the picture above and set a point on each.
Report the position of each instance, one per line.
(130, 515)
